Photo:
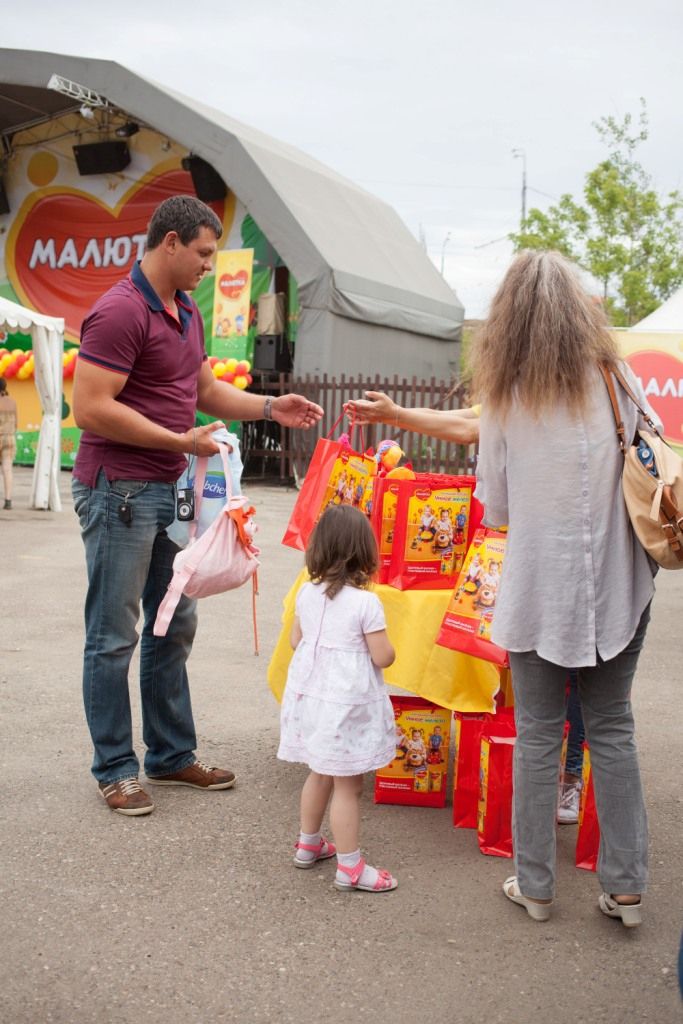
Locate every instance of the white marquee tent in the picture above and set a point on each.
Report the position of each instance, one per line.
(47, 334)
(669, 316)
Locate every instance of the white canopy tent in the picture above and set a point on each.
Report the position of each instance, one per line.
(47, 334)
(668, 317)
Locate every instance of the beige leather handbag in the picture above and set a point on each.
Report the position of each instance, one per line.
(653, 492)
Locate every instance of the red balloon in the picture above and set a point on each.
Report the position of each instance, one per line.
(10, 371)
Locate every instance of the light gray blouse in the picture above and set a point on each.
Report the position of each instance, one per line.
(575, 579)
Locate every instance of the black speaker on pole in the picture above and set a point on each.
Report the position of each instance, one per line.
(4, 201)
(207, 182)
(102, 157)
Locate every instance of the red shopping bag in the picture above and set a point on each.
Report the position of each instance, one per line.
(468, 732)
(337, 475)
(494, 810)
(418, 771)
(588, 835)
(436, 515)
(383, 520)
(494, 820)
(466, 625)
(468, 729)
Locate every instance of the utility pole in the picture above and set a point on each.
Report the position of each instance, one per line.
(521, 154)
(443, 250)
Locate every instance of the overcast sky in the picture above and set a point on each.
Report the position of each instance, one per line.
(419, 101)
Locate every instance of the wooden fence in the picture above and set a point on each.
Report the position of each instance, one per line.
(276, 452)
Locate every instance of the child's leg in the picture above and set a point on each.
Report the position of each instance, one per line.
(345, 824)
(315, 796)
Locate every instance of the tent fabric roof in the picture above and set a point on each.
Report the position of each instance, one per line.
(18, 318)
(350, 252)
(669, 316)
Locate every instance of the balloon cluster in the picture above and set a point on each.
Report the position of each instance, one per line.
(69, 361)
(16, 363)
(20, 364)
(232, 371)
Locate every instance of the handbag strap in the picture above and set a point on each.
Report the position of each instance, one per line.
(609, 381)
(609, 373)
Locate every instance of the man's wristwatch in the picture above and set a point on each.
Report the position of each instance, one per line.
(268, 409)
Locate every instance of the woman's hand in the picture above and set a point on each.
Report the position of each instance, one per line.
(375, 408)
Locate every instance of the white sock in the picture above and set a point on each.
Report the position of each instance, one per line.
(349, 860)
(309, 841)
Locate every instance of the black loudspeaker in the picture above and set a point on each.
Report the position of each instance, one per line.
(102, 157)
(208, 184)
(271, 352)
(4, 201)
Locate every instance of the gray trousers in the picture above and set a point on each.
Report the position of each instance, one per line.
(605, 692)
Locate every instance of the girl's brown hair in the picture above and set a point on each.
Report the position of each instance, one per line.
(342, 549)
(542, 339)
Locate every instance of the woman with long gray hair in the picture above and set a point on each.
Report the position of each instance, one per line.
(577, 585)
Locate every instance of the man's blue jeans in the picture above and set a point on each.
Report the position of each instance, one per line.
(126, 565)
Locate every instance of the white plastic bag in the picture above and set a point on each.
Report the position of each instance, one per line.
(214, 493)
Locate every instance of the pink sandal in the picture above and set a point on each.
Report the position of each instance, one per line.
(322, 850)
(385, 880)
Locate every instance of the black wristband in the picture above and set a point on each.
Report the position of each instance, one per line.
(268, 409)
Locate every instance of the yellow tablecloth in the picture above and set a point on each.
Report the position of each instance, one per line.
(445, 677)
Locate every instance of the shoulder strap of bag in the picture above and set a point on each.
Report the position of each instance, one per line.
(200, 477)
(648, 419)
(170, 600)
(609, 381)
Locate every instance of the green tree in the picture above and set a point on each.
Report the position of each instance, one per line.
(629, 237)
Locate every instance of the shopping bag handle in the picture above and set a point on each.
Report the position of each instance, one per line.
(352, 424)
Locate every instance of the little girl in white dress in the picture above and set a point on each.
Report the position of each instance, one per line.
(336, 714)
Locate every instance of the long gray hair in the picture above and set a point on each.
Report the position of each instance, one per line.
(542, 339)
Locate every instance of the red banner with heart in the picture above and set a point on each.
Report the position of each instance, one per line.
(232, 285)
(66, 247)
(661, 375)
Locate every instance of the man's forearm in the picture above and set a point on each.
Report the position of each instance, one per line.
(118, 422)
(229, 403)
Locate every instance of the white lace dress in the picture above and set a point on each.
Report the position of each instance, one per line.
(336, 714)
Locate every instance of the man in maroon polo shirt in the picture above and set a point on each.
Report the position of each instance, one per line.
(142, 373)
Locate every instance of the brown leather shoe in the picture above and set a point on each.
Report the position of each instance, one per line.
(126, 797)
(198, 776)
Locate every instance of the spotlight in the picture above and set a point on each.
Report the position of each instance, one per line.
(87, 112)
(124, 131)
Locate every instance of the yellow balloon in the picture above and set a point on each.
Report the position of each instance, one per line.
(230, 365)
(247, 364)
(241, 382)
(22, 372)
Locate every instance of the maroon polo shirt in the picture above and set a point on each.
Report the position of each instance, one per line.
(128, 331)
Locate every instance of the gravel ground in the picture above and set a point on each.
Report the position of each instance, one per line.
(195, 914)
